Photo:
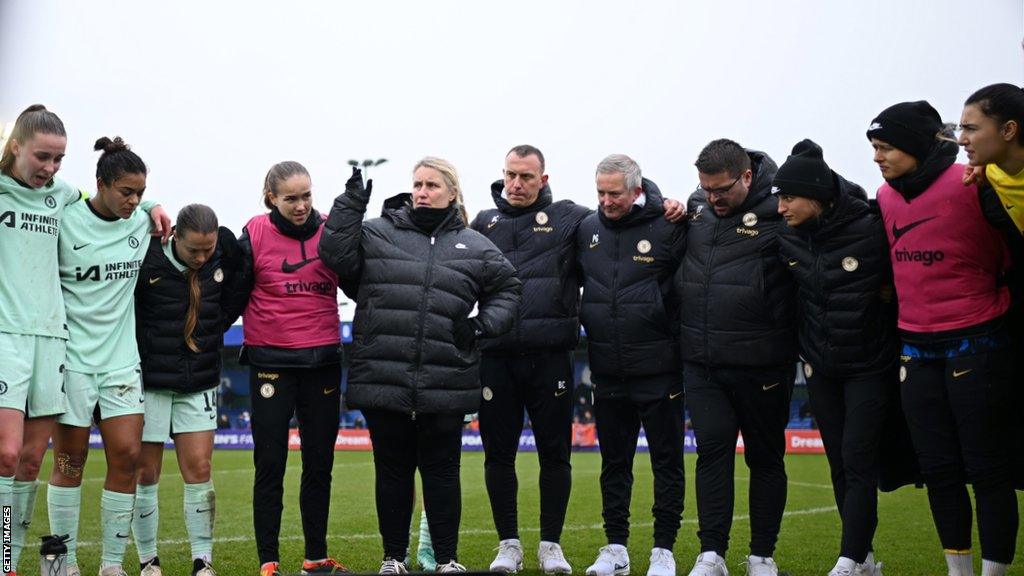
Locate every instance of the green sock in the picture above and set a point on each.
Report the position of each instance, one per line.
(63, 506)
(145, 521)
(24, 493)
(200, 508)
(116, 516)
(425, 548)
(6, 491)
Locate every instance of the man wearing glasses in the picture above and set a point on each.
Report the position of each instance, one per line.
(739, 349)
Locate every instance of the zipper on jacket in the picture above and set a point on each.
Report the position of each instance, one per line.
(422, 320)
(707, 287)
(615, 302)
(819, 276)
(515, 265)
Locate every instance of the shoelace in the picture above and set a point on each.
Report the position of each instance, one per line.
(661, 556)
(452, 566)
(706, 566)
(390, 567)
(504, 547)
(554, 552)
(766, 562)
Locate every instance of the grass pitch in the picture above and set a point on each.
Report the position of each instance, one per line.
(906, 541)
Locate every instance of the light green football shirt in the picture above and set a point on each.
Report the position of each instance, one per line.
(169, 253)
(30, 220)
(99, 264)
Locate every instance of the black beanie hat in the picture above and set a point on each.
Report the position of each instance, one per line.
(805, 174)
(908, 126)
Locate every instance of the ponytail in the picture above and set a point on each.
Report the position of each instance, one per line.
(199, 219)
(36, 119)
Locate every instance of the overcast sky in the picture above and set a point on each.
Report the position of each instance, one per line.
(211, 94)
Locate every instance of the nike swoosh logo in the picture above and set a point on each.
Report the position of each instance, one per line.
(199, 511)
(792, 262)
(119, 535)
(959, 373)
(592, 244)
(329, 390)
(289, 268)
(674, 396)
(621, 566)
(897, 233)
(77, 247)
(560, 393)
(151, 512)
(1008, 206)
(769, 387)
(154, 280)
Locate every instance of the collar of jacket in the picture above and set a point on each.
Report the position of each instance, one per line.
(543, 201)
(398, 209)
(764, 169)
(942, 155)
(653, 208)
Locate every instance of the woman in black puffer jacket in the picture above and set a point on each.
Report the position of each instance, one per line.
(414, 357)
(835, 247)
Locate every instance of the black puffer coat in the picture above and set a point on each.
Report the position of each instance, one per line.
(413, 289)
(841, 266)
(738, 301)
(540, 242)
(630, 310)
(161, 306)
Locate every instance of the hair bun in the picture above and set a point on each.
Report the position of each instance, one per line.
(107, 145)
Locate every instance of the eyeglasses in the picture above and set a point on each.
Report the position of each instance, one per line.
(721, 191)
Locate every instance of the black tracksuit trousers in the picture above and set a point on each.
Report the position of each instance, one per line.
(431, 443)
(961, 416)
(542, 384)
(722, 402)
(850, 412)
(618, 422)
(314, 396)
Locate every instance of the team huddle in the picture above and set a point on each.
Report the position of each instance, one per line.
(903, 310)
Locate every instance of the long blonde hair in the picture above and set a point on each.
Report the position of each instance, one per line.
(451, 179)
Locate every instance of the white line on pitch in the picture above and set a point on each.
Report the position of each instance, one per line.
(473, 531)
(795, 483)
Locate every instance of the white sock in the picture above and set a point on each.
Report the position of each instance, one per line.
(990, 568)
(960, 562)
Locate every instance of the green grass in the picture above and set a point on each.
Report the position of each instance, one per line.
(906, 541)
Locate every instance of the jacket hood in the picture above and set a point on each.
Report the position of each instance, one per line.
(543, 200)
(764, 169)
